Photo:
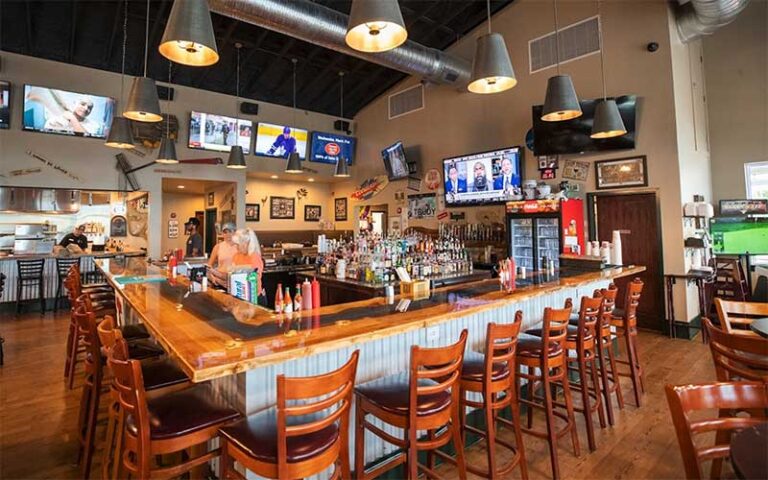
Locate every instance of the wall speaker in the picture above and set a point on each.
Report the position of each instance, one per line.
(249, 108)
(165, 93)
(341, 126)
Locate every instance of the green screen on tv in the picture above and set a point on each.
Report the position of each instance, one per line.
(740, 235)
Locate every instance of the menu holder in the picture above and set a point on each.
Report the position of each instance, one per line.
(417, 289)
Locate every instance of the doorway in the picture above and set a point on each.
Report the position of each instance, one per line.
(636, 215)
(210, 229)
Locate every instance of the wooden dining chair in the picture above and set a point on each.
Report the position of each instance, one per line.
(685, 400)
(736, 317)
(307, 432)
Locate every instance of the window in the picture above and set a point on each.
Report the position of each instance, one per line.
(757, 179)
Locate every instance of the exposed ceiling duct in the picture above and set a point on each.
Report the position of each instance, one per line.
(703, 17)
(326, 27)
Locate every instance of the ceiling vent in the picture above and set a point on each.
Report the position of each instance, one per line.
(406, 101)
(577, 40)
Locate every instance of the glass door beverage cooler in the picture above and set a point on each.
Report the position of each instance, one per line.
(539, 229)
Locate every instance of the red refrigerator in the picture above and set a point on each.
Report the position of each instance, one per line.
(544, 228)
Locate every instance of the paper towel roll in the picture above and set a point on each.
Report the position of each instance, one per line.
(616, 250)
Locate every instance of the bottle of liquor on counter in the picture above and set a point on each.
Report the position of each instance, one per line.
(279, 298)
(297, 299)
(287, 301)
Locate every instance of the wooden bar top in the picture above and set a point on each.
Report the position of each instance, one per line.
(212, 334)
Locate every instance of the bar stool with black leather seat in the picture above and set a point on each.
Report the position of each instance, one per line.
(29, 276)
(167, 424)
(625, 322)
(63, 265)
(305, 434)
(424, 399)
(546, 354)
(492, 375)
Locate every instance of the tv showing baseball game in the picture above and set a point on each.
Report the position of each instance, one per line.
(330, 147)
(51, 110)
(483, 178)
(395, 162)
(280, 140)
(5, 105)
(218, 132)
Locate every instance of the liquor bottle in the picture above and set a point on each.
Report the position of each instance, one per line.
(287, 302)
(279, 298)
(297, 299)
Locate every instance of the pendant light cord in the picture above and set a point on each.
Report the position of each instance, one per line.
(294, 91)
(341, 96)
(168, 104)
(238, 46)
(602, 47)
(557, 37)
(125, 45)
(488, 4)
(146, 40)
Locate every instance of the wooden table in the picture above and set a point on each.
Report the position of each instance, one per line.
(749, 452)
(760, 327)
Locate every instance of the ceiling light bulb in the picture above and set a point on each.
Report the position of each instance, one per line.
(189, 38)
(375, 26)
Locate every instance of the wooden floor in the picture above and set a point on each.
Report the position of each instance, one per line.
(38, 413)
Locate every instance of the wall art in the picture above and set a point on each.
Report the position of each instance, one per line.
(252, 212)
(422, 206)
(282, 208)
(621, 173)
(340, 209)
(312, 213)
(575, 170)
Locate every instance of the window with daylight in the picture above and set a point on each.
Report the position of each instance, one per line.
(757, 179)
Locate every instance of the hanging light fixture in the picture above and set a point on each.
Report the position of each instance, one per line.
(188, 38)
(492, 70)
(120, 132)
(294, 161)
(561, 102)
(342, 164)
(607, 122)
(375, 26)
(143, 104)
(167, 153)
(236, 157)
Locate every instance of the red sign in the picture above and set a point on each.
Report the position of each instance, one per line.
(332, 148)
(533, 206)
(442, 215)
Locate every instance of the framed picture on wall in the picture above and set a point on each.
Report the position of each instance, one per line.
(312, 213)
(340, 209)
(621, 173)
(252, 212)
(282, 208)
(211, 199)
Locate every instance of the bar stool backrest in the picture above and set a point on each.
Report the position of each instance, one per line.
(108, 334)
(63, 265)
(735, 317)
(501, 345)
(554, 327)
(30, 269)
(631, 301)
(590, 312)
(683, 400)
(609, 303)
(86, 327)
(738, 357)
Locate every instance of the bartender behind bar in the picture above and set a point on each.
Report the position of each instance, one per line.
(76, 238)
(195, 240)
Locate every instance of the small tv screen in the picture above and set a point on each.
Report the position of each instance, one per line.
(280, 140)
(573, 136)
(218, 132)
(5, 105)
(330, 147)
(67, 113)
(482, 178)
(395, 162)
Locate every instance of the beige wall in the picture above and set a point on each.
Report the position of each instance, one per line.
(260, 191)
(736, 60)
(184, 205)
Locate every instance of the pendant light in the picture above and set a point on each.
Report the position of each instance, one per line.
(188, 38)
(375, 26)
(607, 122)
(561, 102)
(143, 104)
(120, 131)
(167, 153)
(294, 161)
(342, 164)
(492, 70)
(236, 157)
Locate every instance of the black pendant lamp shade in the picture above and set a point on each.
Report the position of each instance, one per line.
(294, 163)
(492, 70)
(236, 158)
(188, 38)
(375, 26)
(120, 133)
(167, 153)
(143, 104)
(561, 102)
(608, 121)
(342, 168)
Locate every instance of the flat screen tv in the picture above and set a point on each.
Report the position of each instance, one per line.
(572, 136)
(482, 178)
(280, 140)
(218, 132)
(395, 162)
(67, 113)
(329, 147)
(5, 105)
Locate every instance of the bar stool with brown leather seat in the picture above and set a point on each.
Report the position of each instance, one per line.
(492, 375)
(305, 434)
(426, 398)
(29, 276)
(167, 424)
(546, 354)
(625, 322)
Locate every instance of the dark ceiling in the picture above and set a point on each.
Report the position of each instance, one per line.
(89, 33)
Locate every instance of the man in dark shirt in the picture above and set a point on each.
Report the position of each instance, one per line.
(195, 240)
(76, 237)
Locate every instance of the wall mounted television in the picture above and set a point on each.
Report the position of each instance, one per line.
(218, 133)
(5, 105)
(63, 112)
(329, 147)
(395, 162)
(482, 178)
(280, 140)
(572, 136)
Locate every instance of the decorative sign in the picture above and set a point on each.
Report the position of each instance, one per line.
(53, 165)
(621, 173)
(173, 228)
(442, 215)
(547, 173)
(432, 179)
(576, 170)
(422, 206)
(118, 208)
(364, 213)
(282, 208)
(312, 213)
(23, 171)
(394, 225)
(370, 187)
(414, 184)
(548, 162)
(252, 212)
(400, 197)
(211, 199)
(743, 207)
(340, 209)
(138, 213)
(533, 206)
(457, 216)
(301, 193)
(118, 226)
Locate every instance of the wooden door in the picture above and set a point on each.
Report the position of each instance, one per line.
(210, 230)
(637, 216)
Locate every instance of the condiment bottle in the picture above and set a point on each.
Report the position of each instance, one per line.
(279, 298)
(297, 299)
(315, 293)
(287, 301)
(172, 267)
(306, 295)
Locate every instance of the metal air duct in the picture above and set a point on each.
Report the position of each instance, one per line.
(703, 17)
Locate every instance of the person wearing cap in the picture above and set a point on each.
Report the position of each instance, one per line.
(195, 240)
(75, 238)
(248, 254)
(284, 144)
(225, 250)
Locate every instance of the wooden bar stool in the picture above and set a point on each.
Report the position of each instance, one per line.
(547, 355)
(605, 357)
(29, 275)
(625, 323)
(63, 266)
(492, 375)
(426, 398)
(304, 435)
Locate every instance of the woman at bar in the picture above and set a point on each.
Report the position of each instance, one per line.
(248, 255)
(224, 251)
